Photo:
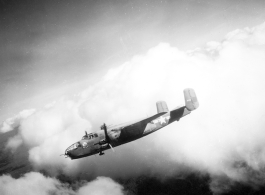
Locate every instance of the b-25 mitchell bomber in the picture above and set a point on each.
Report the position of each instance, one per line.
(112, 136)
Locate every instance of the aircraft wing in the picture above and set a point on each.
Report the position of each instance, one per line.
(146, 119)
(177, 113)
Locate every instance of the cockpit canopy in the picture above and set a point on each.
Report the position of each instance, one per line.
(89, 136)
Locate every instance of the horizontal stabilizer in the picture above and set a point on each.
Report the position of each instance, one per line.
(161, 106)
(191, 100)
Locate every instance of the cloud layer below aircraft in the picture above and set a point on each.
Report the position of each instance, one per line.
(224, 138)
(35, 183)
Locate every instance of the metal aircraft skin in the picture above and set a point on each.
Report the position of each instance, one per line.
(109, 137)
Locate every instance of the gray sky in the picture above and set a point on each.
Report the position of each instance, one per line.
(50, 49)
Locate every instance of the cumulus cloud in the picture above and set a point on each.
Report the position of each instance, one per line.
(13, 122)
(224, 137)
(50, 131)
(32, 183)
(35, 183)
(101, 186)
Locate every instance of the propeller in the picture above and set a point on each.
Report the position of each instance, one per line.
(104, 127)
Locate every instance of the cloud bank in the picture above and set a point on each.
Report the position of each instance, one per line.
(35, 183)
(13, 122)
(224, 138)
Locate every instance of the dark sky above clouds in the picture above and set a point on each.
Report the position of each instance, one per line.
(51, 48)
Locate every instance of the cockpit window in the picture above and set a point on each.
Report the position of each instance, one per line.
(90, 136)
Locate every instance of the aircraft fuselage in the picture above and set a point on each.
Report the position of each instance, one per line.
(114, 136)
(95, 142)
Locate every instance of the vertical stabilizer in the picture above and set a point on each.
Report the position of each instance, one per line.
(161, 106)
(191, 100)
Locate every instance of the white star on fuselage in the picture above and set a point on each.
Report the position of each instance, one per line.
(161, 120)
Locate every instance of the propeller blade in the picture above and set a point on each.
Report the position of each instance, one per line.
(111, 148)
(106, 133)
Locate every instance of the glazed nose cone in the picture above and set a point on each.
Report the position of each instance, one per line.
(68, 153)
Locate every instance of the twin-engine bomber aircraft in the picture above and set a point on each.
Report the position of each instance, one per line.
(113, 136)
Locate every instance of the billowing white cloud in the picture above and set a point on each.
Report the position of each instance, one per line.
(35, 183)
(101, 186)
(50, 131)
(32, 183)
(13, 122)
(224, 137)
